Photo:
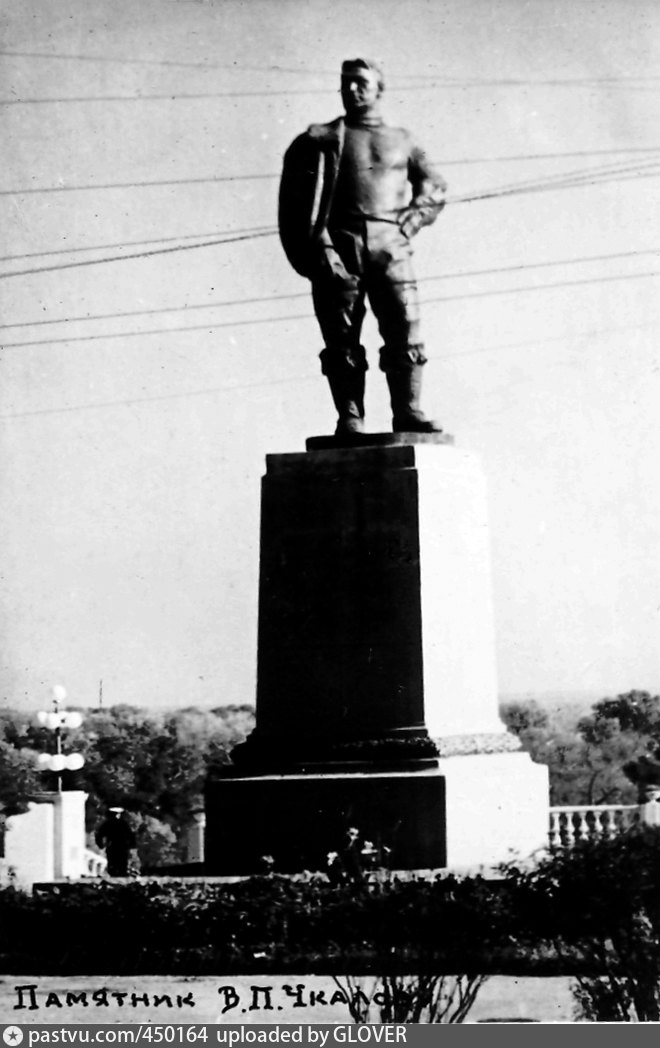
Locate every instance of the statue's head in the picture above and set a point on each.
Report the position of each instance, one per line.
(362, 84)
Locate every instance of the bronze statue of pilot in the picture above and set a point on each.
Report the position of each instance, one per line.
(353, 194)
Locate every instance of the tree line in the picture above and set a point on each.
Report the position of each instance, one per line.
(586, 755)
(154, 764)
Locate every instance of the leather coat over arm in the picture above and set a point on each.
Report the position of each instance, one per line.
(309, 177)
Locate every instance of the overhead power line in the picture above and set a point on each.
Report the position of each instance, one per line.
(621, 171)
(266, 176)
(239, 67)
(135, 243)
(215, 325)
(233, 67)
(545, 287)
(421, 78)
(420, 86)
(149, 184)
(212, 233)
(139, 254)
(575, 183)
(567, 179)
(258, 300)
(570, 81)
(159, 397)
(212, 390)
(173, 96)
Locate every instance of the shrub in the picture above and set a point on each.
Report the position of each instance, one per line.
(598, 905)
(423, 998)
(265, 923)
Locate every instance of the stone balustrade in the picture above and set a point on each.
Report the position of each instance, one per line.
(96, 865)
(574, 823)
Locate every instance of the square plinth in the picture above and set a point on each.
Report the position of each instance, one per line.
(376, 641)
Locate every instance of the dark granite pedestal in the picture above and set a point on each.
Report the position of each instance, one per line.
(299, 818)
(376, 692)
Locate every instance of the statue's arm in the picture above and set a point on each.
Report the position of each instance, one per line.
(428, 192)
(303, 233)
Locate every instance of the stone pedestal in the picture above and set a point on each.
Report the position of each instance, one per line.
(47, 842)
(377, 693)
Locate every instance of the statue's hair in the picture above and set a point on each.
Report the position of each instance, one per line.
(365, 63)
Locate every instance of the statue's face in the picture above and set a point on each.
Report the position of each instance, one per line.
(359, 90)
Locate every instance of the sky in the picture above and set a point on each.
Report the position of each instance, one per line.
(139, 396)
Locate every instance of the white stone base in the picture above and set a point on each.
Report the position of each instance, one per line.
(496, 808)
(462, 814)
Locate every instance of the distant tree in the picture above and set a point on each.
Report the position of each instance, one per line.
(598, 768)
(19, 781)
(239, 718)
(585, 759)
(153, 764)
(156, 764)
(558, 748)
(531, 723)
(117, 746)
(521, 717)
(636, 712)
(617, 731)
(156, 841)
(18, 729)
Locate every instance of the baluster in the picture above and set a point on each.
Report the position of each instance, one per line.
(554, 832)
(608, 824)
(581, 826)
(569, 829)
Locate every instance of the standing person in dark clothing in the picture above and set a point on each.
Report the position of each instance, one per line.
(117, 837)
(353, 194)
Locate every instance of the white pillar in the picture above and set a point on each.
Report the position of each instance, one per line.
(30, 845)
(69, 833)
(650, 809)
(195, 838)
(458, 630)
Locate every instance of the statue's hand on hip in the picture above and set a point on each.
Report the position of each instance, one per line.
(412, 218)
(411, 221)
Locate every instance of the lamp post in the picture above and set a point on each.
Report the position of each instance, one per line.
(57, 721)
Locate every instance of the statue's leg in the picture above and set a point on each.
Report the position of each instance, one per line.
(346, 380)
(339, 307)
(394, 298)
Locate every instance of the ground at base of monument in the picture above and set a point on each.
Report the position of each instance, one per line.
(176, 874)
(512, 998)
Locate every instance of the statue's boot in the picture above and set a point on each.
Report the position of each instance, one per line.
(347, 388)
(405, 385)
